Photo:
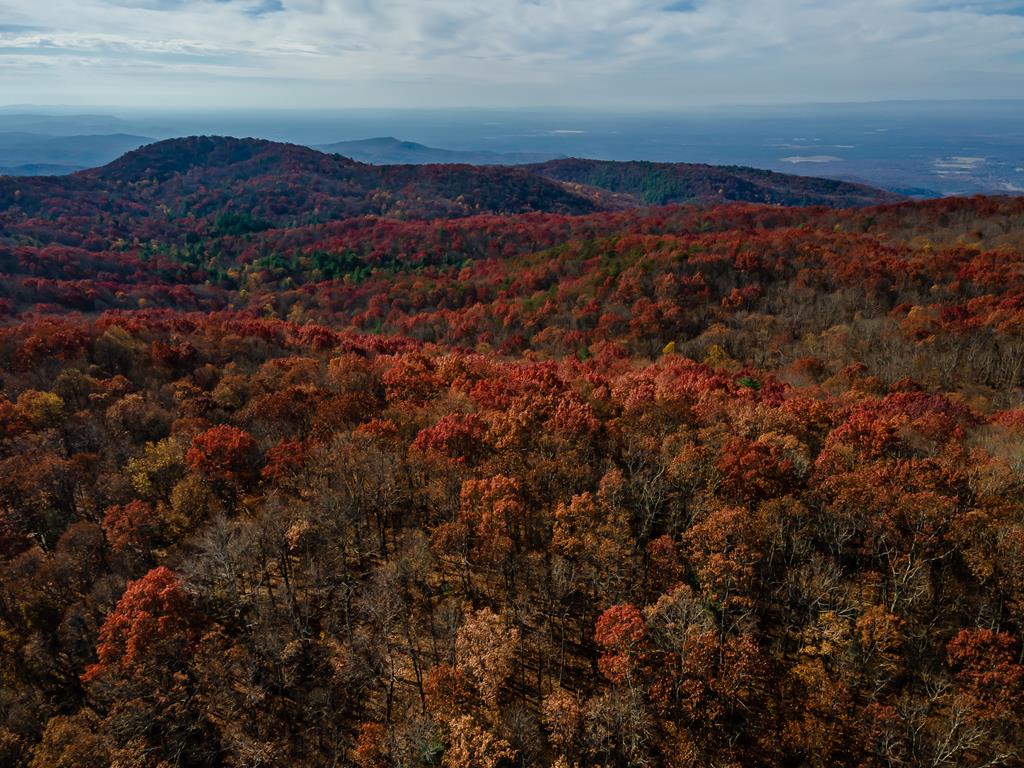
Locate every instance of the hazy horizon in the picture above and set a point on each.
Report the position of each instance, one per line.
(781, 105)
(921, 147)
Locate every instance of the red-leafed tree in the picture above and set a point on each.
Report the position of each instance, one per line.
(987, 664)
(284, 461)
(456, 436)
(225, 454)
(619, 632)
(154, 625)
(130, 527)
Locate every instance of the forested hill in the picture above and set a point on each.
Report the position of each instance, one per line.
(663, 183)
(183, 184)
(251, 184)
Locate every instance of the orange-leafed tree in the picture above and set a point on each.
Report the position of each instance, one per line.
(153, 624)
(225, 454)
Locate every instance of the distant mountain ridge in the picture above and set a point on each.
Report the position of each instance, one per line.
(387, 150)
(22, 150)
(246, 185)
(649, 183)
(39, 169)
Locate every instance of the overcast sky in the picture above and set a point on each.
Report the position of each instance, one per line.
(606, 54)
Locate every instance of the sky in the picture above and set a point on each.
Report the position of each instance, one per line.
(597, 54)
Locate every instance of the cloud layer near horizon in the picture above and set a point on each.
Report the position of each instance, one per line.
(601, 53)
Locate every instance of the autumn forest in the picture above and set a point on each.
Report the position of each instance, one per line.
(305, 462)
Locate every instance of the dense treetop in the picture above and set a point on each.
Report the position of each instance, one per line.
(723, 485)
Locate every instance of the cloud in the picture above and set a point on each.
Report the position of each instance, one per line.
(506, 52)
(987, 8)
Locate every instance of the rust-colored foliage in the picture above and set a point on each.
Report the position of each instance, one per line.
(153, 620)
(129, 526)
(284, 461)
(988, 663)
(456, 436)
(619, 632)
(675, 486)
(224, 453)
(371, 745)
